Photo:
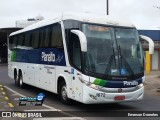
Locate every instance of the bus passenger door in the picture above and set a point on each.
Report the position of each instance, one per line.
(75, 72)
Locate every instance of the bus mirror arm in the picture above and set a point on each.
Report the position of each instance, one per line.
(82, 38)
(151, 43)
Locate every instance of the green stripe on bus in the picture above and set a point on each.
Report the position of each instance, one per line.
(100, 82)
(13, 56)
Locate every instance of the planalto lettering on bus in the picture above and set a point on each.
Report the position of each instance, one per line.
(127, 83)
(48, 57)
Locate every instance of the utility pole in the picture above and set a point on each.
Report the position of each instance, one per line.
(107, 6)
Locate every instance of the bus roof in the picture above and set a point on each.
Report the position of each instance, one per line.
(84, 17)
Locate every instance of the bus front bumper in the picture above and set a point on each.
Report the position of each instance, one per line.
(93, 96)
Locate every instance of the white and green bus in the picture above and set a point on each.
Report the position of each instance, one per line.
(80, 56)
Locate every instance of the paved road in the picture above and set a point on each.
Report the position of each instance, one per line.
(150, 103)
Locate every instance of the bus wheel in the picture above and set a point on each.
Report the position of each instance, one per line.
(63, 94)
(16, 78)
(20, 81)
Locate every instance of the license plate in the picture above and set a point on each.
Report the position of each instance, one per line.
(119, 98)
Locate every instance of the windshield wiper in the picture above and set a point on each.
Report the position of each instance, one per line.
(127, 66)
(114, 54)
(112, 57)
(109, 64)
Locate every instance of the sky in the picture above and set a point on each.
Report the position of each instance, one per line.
(144, 14)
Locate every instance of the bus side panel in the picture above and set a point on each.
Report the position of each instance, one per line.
(28, 71)
(11, 67)
(45, 77)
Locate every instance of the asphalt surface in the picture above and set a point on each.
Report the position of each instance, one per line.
(76, 110)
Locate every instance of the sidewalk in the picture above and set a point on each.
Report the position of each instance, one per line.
(152, 83)
(153, 74)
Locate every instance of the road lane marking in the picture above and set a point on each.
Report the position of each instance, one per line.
(16, 99)
(2, 89)
(3, 93)
(14, 91)
(14, 94)
(10, 105)
(6, 98)
(44, 105)
(51, 108)
(0, 85)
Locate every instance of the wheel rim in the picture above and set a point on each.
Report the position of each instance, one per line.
(64, 93)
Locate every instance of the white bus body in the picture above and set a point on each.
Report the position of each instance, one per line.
(52, 56)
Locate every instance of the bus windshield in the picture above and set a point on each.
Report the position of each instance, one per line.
(113, 51)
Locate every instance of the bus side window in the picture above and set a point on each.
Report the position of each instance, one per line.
(27, 40)
(20, 43)
(35, 39)
(12, 42)
(47, 37)
(56, 36)
(41, 38)
(76, 51)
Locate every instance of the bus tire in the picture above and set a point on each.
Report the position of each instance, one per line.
(15, 77)
(20, 81)
(63, 94)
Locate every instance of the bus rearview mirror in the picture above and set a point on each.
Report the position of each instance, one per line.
(150, 41)
(82, 38)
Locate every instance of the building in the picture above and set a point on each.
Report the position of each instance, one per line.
(29, 21)
(155, 58)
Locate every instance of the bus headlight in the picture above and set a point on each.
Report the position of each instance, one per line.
(89, 84)
(94, 86)
(140, 86)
